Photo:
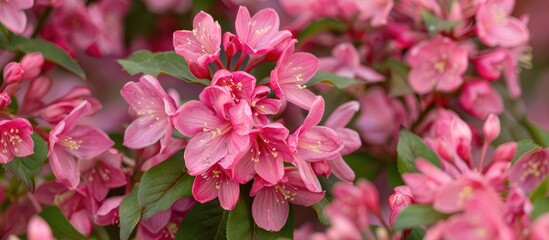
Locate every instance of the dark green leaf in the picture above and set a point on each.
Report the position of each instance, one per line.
(417, 233)
(541, 190)
(319, 208)
(416, 216)
(539, 134)
(326, 24)
(541, 206)
(336, 81)
(170, 63)
(50, 51)
(162, 185)
(60, 226)
(523, 147)
(409, 148)
(26, 168)
(240, 225)
(130, 214)
(204, 222)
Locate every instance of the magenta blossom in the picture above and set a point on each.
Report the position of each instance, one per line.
(107, 213)
(479, 99)
(69, 142)
(436, 64)
(12, 14)
(345, 62)
(217, 126)
(216, 183)
(201, 45)
(271, 202)
(103, 173)
(154, 110)
(291, 73)
(259, 34)
(496, 27)
(490, 65)
(16, 139)
(312, 143)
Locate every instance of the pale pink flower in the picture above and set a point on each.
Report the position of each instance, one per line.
(154, 110)
(540, 228)
(337, 121)
(377, 11)
(240, 84)
(38, 229)
(201, 45)
(69, 140)
(495, 26)
(12, 14)
(265, 155)
(103, 173)
(479, 99)
(425, 184)
(15, 140)
(345, 62)
(216, 183)
(217, 126)
(260, 33)
(380, 117)
(312, 143)
(291, 73)
(436, 64)
(530, 170)
(270, 206)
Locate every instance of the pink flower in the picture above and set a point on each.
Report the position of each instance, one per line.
(240, 84)
(437, 64)
(216, 183)
(259, 34)
(103, 173)
(540, 228)
(68, 141)
(13, 73)
(530, 170)
(345, 62)
(12, 14)
(201, 45)
(496, 27)
(155, 111)
(425, 184)
(107, 213)
(265, 155)
(270, 206)
(479, 99)
(351, 140)
(400, 199)
(491, 128)
(15, 139)
(490, 64)
(38, 229)
(291, 73)
(217, 126)
(311, 143)
(32, 65)
(263, 106)
(377, 10)
(57, 110)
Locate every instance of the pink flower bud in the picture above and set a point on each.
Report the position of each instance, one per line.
(401, 198)
(13, 72)
(231, 44)
(199, 71)
(5, 100)
(321, 168)
(32, 65)
(491, 128)
(479, 99)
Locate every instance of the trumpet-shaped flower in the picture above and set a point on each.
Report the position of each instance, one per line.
(215, 183)
(217, 126)
(202, 44)
(103, 173)
(15, 139)
(154, 109)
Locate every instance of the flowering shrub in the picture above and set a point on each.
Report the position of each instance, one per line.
(390, 119)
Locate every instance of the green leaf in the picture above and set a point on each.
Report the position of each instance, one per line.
(523, 147)
(409, 148)
(204, 222)
(417, 216)
(539, 134)
(417, 233)
(170, 63)
(60, 226)
(541, 206)
(435, 24)
(319, 208)
(26, 168)
(541, 190)
(162, 185)
(130, 214)
(50, 51)
(398, 78)
(334, 80)
(240, 225)
(315, 27)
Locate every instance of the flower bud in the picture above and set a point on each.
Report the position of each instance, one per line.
(5, 100)
(491, 128)
(32, 65)
(13, 72)
(231, 44)
(199, 71)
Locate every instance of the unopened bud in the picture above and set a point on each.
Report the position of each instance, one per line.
(491, 128)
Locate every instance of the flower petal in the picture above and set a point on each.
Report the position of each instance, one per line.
(268, 211)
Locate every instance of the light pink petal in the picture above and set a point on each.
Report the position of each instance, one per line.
(319, 143)
(217, 98)
(83, 109)
(241, 118)
(268, 211)
(204, 189)
(270, 165)
(205, 150)
(145, 131)
(158, 221)
(228, 194)
(341, 170)
(13, 18)
(342, 115)
(297, 69)
(39, 229)
(301, 97)
(307, 175)
(315, 114)
(351, 140)
(236, 144)
(421, 81)
(369, 74)
(82, 222)
(88, 142)
(193, 117)
(23, 4)
(243, 170)
(64, 166)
